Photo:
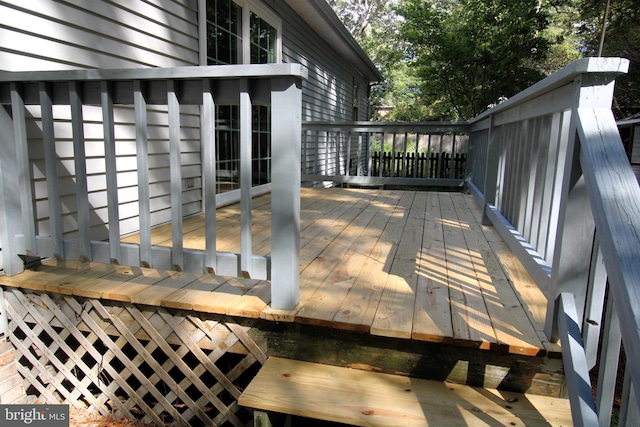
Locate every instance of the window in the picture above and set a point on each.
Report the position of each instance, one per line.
(224, 32)
(263, 41)
(356, 100)
(240, 34)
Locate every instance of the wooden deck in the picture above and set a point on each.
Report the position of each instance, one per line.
(402, 264)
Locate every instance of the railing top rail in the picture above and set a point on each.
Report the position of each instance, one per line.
(187, 72)
(411, 127)
(607, 68)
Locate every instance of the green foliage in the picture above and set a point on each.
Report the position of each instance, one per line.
(450, 59)
(469, 53)
(622, 38)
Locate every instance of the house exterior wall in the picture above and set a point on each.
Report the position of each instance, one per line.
(635, 150)
(46, 35)
(328, 93)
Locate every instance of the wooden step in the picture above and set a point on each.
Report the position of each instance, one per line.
(356, 397)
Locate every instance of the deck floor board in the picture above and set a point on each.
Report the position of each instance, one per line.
(404, 264)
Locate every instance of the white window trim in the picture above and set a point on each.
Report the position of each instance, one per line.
(248, 6)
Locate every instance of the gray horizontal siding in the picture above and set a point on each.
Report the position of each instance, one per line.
(328, 92)
(67, 34)
(95, 34)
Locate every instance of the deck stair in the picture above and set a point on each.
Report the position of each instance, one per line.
(357, 397)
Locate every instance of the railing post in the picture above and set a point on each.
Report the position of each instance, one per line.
(10, 212)
(286, 119)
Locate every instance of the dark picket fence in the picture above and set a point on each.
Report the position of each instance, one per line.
(420, 165)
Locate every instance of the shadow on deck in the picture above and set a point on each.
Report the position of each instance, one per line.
(400, 282)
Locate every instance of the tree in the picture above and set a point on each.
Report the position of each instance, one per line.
(470, 53)
(375, 24)
(622, 38)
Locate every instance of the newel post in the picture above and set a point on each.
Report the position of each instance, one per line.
(286, 136)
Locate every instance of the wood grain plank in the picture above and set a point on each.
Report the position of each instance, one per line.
(93, 270)
(156, 293)
(471, 321)
(358, 308)
(512, 327)
(38, 277)
(223, 298)
(97, 287)
(319, 255)
(362, 398)
(252, 302)
(326, 301)
(147, 277)
(185, 298)
(394, 317)
(432, 311)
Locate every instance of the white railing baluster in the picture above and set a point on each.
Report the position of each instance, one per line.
(596, 290)
(347, 171)
(108, 125)
(142, 163)
(51, 168)
(285, 198)
(629, 413)
(556, 190)
(381, 155)
(4, 318)
(246, 246)
(114, 88)
(10, 206)
(582, 406)
(175, 165)
(24, 175)
(359, 164)
(80, 163)
(608, 370)
(208, 143)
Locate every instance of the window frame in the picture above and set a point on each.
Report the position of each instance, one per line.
(248, 6)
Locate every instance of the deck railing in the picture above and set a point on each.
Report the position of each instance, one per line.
(384, 153)
(149, 99)
(550, 170)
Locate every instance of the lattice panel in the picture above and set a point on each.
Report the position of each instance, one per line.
(148, 363)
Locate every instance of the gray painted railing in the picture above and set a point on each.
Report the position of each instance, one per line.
(384, 153)
(550, 170)
(173, 88)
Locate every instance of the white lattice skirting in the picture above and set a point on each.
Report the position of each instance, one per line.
(148, 363)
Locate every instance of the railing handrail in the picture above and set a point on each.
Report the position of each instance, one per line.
(609, 68)
(279, 85)
(343, 153)
(172, 73)
(553, 176)
(372, 126)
